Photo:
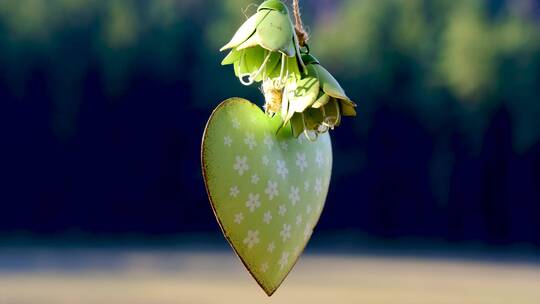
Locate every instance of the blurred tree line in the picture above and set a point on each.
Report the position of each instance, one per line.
(104, 103)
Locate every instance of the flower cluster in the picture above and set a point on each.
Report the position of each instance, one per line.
(266, 50)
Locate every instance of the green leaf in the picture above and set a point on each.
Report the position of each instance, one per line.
(329, 84)
(297, 124)
(348, 108)
(254, 58)
(233, 56)
(251, 42)
(243, 33)
(313, 118)
(292, 67)
(273, 68)
(249, 62)
(332, 113)
(323, 100)
(302, 93)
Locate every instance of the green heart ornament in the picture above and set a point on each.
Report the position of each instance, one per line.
(267, 190)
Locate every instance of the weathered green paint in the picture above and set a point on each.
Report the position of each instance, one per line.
(267, 191)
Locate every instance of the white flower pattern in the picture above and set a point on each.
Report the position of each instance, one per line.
(271, 190)
(241, 165)
(284, 260)
(236, 123)
(282, 210)
(268, 141)
(252, 238)
(250, 141)
(265, 160)
(282, 169)
(301, 161)
(238, 218)
(288, 172)
(227, 140)
(253, 202)
(319, 158)
(307, 232)
(267, 218)
(285, 232)
(264, 267)
(233, 192)
(298, 220)
(271, 247)
(294, 195)
(318, 186)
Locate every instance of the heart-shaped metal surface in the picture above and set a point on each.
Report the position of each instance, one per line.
(267, 190)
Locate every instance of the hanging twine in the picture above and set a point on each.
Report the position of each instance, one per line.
(303, 36)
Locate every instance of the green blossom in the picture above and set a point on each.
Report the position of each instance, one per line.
(315, 103)
(265, 48)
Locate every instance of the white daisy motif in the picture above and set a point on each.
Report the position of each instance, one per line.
(241, 165)
(301, 161)
(265, 160)
(271, 247)
(298, 220)
(306, 186)
(267, 217)
(271, 190)
(227, 140)
(238, 218)
(255, 179)
(285, 232)
(264, 267)
(319, 159)
(307, 232)
(249, 140)
(308, 209)
(284, 146)
(268, 141)
(252, 238)
(282, 210)
(284, 260)
(282, 169)
(253, 202)
(294, 195)
(318, 186)
(234, 191)
(236, 123)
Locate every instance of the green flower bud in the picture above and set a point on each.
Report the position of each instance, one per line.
(265, 47)
(315, 103)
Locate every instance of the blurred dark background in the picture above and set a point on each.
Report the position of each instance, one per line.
(103, 105)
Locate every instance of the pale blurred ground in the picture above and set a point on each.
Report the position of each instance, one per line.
(119, 276)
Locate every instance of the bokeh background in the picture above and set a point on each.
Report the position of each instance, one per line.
(103, 105)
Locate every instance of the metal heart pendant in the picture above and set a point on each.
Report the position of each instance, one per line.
(267, 190)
